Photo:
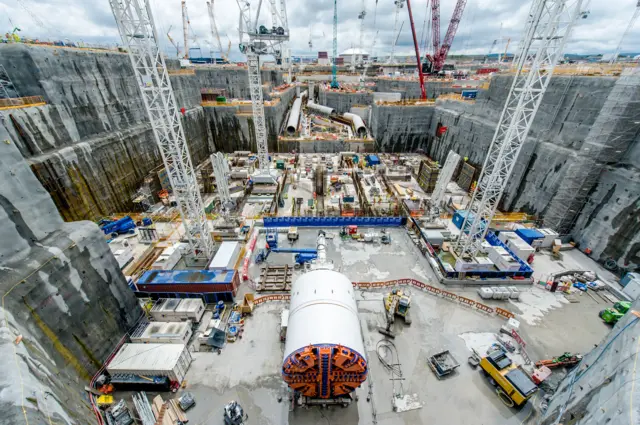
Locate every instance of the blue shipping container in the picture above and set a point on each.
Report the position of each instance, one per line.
(529, 235)
(178, 277)
(458, 218)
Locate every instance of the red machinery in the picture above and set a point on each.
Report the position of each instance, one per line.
(440, 52)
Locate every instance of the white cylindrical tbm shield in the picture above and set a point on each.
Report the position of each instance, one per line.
(324, 353)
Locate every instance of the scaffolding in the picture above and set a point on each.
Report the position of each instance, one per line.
(612, 133)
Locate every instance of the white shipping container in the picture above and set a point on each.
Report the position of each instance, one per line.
(176, 310)
(549, 236)
(169, 258)
(164, 332)
(226, 256)
(171, 360)
(632, 289)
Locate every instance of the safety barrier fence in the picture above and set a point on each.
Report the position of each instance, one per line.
(497, 311)
(333, 221)
(22, 102)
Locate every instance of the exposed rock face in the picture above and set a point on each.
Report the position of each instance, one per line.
(63, 294)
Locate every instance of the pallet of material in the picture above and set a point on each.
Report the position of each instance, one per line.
(275, 278)
(167, 413)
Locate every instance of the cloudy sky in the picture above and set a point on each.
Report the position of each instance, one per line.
(483, 21)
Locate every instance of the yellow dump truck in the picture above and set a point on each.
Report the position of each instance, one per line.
(513, 385)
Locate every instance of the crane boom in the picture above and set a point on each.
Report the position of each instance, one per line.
(451, 33)
(139, 36)
(423, 93)
(435, 26)
(399, 5)
(634, 17)
(185, 29)
(214, 30)
(543, 44)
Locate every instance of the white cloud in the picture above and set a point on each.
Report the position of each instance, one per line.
(92, 21)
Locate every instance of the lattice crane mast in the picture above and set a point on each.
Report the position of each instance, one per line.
(140, 38)
(214, 31)
(440, 52)
(185, 29)
(261, 41)
(361, 16)
(399, 5)
(334, 65)
(634, 17)
(543, 43)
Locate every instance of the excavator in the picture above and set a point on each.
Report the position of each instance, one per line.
(396, 303)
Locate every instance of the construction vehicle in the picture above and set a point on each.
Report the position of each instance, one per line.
(396, 303)
(348, 231)
(234, 414)
(612, 315)
(567, 359)
(114, 228)
(513, 385)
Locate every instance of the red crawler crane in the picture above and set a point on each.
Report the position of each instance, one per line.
(440, 52)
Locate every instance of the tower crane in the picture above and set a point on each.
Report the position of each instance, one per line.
(140, 37)
(334, 65)
(361, 16)
(493, 45)
(634, 17)
(185, 29)
(551, 22)
(261, 41)
(440, 52)
(399, 5)
(214, 31)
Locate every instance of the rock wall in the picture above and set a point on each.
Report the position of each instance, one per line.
(411, 89)
(564, 121)
(343, 102)
(234, 81)
(65, 301)
(401, 128)
(91, 145)
(603, 388)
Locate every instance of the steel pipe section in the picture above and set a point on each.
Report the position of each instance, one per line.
(357, 123)
(320, 108)
(294, 116)
(324, 354)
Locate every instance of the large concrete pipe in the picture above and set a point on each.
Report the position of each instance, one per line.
(320, 108)
(294, 117)
(324, 354)
(357, 123)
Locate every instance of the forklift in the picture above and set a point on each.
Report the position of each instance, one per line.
(513, 386)
(396, 303)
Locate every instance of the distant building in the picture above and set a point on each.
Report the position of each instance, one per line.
(323, 58)
(353, 55)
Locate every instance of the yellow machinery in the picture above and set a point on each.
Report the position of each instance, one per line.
(513, 385)
(396, 303)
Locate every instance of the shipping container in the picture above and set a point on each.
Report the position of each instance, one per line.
(169, 257)
(502, 259)
(549, 237)
(531, 236)
(170, 360)
(176, 310)
(519, 247)
(226, 256)
(163, 332)
(189, 281)
(628, 278)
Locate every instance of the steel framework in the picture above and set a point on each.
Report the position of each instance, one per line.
(544, 41)
(139, 36)
(440, 52)
(214, 31)
(361, 16)
(185, 29)
(221, 173)
(444, 178)
(261, 42)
